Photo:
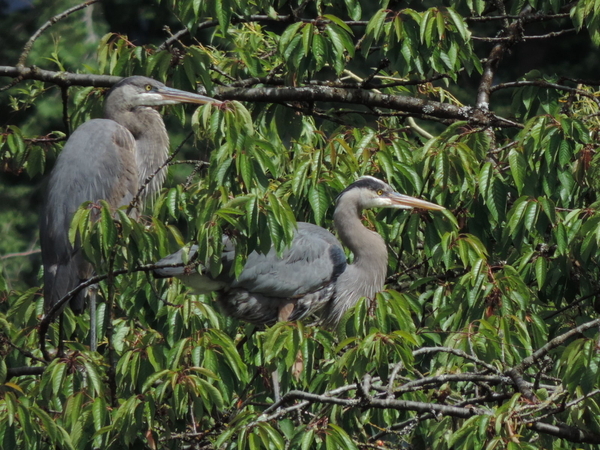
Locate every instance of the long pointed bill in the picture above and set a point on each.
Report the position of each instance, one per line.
(402, 201)
(176, 96)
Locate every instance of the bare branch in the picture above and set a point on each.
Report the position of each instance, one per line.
(16, 255)
(52, 21)
(545, 84)
(539, 17)
(411, 105)
(136, 200)
(58, 78)
(552, 344)
(550, 35)
(513, 32)
(457, 352)
(371, 99)
(22, 371)
(51, 314)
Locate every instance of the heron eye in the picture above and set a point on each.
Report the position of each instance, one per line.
(380, 192)
(148, 87)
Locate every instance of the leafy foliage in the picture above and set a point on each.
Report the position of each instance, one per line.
(486, 336)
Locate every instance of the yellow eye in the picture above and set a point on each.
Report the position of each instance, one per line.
(380, 192)
(148, 87)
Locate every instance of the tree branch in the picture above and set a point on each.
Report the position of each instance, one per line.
(52, 21)
(50, 315)
(457, 352)
(58, 78)
(410, 105)
(513, 33)
(545, 84)
(557, 341)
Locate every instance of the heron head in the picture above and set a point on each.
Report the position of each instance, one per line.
(143, 91)
(371, 192)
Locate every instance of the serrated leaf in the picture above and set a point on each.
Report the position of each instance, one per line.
(339, 22)
(541, 269)
(460, 24)
(375, 25)
(317, 196)
(518, 166)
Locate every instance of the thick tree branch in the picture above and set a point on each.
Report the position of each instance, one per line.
(513, 33)
(23, 371)
(58, 78)
(556, 342)
(410, 105)
(563, 431)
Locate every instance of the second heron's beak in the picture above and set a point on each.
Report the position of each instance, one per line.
(402, 201)
(170, 96)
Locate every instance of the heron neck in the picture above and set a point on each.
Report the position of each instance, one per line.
(152, 144)
(366, 276)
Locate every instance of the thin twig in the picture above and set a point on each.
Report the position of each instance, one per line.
(136, 200)
(51, 314)
(48, 24)
(457, 352)
(64, 91)
(553, 34)
(545, 84)
(15, 255)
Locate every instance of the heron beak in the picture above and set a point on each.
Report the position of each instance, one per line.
(172, 96)
(402, 201)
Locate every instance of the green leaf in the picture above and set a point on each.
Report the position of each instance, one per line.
(50, 427)
(375, 24)
(518, 166)
(541, 270)
(93, 377)
(339, 22)
(223, 12)
(317, 196)
(460, 24)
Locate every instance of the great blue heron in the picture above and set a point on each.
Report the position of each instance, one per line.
(312, 275)
(104, 159)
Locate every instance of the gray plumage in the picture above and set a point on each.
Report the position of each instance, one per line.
(312, 275)
(104, 159)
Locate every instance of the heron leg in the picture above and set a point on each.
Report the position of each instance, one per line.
(60, 350)
(93, 322)
(276, 387)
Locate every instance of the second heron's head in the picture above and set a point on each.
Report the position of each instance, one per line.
(369, 192)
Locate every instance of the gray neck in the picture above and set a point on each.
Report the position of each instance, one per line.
(152, 142)
(366, 276)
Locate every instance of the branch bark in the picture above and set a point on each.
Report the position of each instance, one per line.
(410, 105)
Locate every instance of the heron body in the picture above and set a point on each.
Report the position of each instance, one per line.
(312, 276)
(104, 159)
(79, 176)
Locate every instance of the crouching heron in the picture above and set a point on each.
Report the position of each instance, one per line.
(104, 159)
(312, 275)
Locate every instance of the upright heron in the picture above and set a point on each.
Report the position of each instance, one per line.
(312, 275)
(104, 159)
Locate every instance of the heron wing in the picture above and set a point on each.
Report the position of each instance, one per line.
(314, 259)
(97, 163)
